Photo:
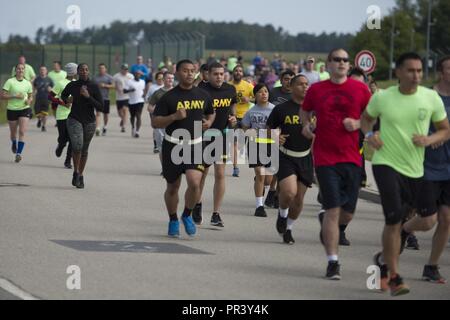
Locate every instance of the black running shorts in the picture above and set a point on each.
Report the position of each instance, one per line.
(398, 193)
(14, 115)
(300, 167)
(122, 103)
(172, 171)
(339, 186)
(433, 194)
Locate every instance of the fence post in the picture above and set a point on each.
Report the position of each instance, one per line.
(109, 56)
(93, 56)
(43, 55)
(76, 53)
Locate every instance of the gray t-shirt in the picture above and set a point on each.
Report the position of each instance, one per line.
(41, 85)
(106, 79)
(256, 117)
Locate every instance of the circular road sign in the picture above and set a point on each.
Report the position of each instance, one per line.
(366, 61)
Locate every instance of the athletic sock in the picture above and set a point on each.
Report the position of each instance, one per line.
(290, 223)
(173, 217)
(14, 143)
(333, 258)
(20, 147)
(284, 212)
(259, 202)
(187, 212)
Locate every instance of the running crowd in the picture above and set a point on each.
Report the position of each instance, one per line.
(317, 123)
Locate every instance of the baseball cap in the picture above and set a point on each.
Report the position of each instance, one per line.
(310, 58)
(124, 66)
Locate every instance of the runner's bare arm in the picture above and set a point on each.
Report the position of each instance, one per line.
(207, 123)
(435, 140)
(373, 138)
(6, 96)
(162, 122)
(305, 117)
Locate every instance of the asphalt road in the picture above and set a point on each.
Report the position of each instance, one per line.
(114, 231)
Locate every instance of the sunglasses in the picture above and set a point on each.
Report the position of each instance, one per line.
(338, 59)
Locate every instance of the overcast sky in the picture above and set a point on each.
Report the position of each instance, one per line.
(25, 17)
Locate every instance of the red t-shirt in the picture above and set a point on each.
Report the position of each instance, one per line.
(332, 103)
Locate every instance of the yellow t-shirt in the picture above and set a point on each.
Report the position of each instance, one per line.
(13, 87)
(243, 89)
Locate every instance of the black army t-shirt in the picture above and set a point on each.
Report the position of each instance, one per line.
(223, 99)
(197, 103)
(286, 117)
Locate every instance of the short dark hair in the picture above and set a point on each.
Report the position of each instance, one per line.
(182, 62)
(407, 56)
(102, 64)
(258, 87)
(356, 71)
(167, 73)
(295, 78)
(204, 67)
(216, 65)
(238, 66)
(440, 64)
(159, 73)
(332, 52)
(58, 62)
(81, 65)
(287, 73)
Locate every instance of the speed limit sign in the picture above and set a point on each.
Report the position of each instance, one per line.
(366, 61)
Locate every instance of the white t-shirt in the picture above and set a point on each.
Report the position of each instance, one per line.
(137, 95)
(120, 83)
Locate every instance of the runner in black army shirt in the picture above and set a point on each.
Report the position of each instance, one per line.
(180, 108)
(278, 96)
(224, 98)
(295, 174)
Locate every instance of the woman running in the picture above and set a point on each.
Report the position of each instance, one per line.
(18, 92)
(86, 99)
(256, 118)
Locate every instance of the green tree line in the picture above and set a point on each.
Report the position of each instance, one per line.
(219, 35)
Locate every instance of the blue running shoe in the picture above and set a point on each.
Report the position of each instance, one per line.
(189, 225)
(174, 229)
(236, 172)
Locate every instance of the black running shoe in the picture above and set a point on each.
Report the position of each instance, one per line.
(343, 241)
(38, 124)
(270, 199)
(431, 274)
(197, 214)
(216, 221)
(333, 270)
(384, 275)
(260, 212)
(404, 237)
(321, 216)
(59, 150)
(276, 202)
(75, 179)
(287, 237)
(80, 182)
(43, 129)
(412, 243)
(281, 224)
(67, 164)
